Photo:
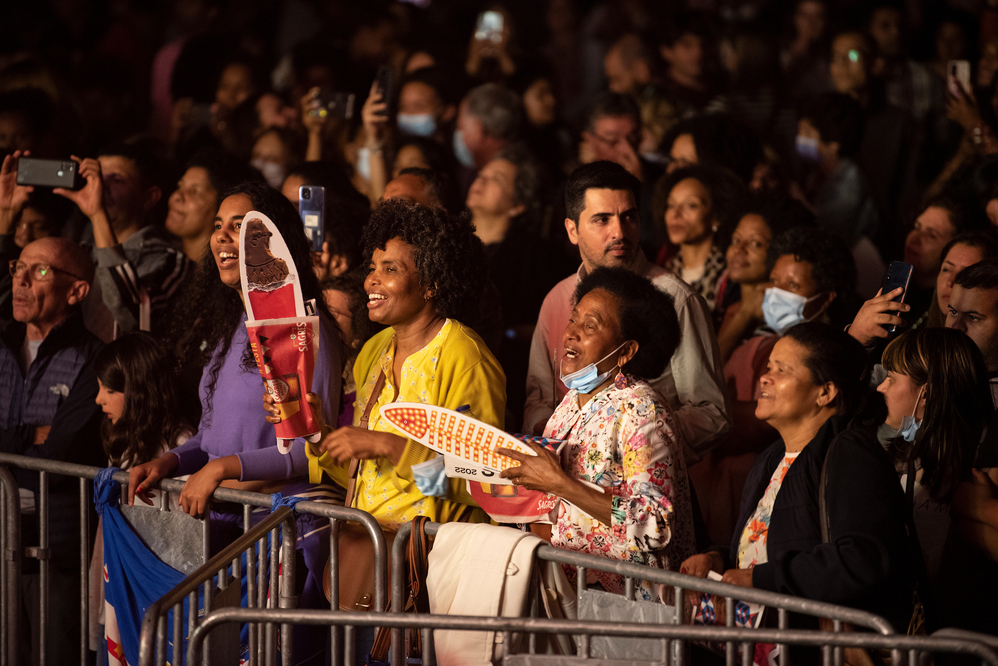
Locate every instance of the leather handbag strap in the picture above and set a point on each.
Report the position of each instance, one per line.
(365, 424)
(418, 600)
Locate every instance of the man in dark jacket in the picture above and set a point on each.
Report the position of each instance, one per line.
(47, 410)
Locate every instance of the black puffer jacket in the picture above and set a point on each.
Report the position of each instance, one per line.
(867, 563)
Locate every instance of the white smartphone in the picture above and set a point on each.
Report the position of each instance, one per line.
(958, 77)
(489, 27)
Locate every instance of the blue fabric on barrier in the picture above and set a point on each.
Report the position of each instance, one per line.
(278, 500)
(134, 578)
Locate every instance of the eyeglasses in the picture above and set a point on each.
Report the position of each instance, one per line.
(38, 272)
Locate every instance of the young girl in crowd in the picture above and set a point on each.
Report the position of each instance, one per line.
(138, 390)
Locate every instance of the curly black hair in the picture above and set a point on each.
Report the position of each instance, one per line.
(647, 316)
(209, 311)
(448, 255)
(832, 266)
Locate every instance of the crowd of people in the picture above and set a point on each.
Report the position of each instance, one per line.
(656, 232)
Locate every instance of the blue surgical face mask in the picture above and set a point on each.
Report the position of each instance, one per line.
(430, 477)
(417, 124)
(461, 151)
(807, 148)
(909, 427)
(364, 163)
(783, 309)
(588, 378)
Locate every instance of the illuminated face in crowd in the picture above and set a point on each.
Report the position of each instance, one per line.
(608, 229)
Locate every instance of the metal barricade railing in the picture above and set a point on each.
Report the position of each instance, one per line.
(152, 647)
(14, 550)
(679, 583)
(912, 646)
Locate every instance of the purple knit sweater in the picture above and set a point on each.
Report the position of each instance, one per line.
(236, 424)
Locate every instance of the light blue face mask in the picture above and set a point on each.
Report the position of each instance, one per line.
(588, 378)
(417, 124)
(430, 477)
(461, 151)
(364, 164)
(807, 149)
(909, 427)
(783, 309)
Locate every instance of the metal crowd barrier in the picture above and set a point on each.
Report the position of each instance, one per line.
(913, 647)
(14, 551)
(679, 583)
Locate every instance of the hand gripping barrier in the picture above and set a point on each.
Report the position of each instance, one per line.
(914, 646)
(260, 588)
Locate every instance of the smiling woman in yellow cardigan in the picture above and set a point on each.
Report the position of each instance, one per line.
(454, 369)
(425, 275)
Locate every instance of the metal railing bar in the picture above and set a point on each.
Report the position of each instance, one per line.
(674, 579)
(43, 565)
(84, 572)
(11, 563)
(551, 626)
(191, 584)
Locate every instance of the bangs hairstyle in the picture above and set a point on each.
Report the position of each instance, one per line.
(833, 356)
(646, 315)
(449, 257)
(957, 403)
(139, 367)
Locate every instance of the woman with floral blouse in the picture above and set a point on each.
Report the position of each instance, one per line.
(620, 474)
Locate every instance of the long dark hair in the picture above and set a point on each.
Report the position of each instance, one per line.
(139, 367)
(209, 312)
(957, 403)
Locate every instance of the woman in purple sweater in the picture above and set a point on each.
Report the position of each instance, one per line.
(235, 446)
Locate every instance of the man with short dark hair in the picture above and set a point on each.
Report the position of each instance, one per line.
(47, 392)
(139, 265)
(973, 309)
(601, 201)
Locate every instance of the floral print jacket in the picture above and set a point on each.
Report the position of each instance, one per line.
(624, 441)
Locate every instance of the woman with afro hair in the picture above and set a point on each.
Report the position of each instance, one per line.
(425, 280)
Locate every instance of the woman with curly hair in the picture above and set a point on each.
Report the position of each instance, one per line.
(234, 446)
(425, 281)
(621, 469)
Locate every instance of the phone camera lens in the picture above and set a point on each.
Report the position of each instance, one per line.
(306, 194)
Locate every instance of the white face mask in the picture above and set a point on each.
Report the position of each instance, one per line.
(784, 309)
(272, 172)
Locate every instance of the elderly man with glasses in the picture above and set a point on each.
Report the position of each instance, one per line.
(47, 410)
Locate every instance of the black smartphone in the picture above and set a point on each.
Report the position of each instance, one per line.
(386, 86)
(49, 173)
(334, 105)
(898, 275)
(311, 207)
